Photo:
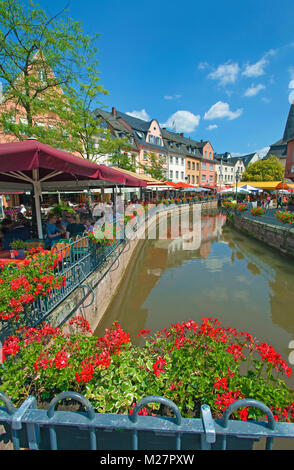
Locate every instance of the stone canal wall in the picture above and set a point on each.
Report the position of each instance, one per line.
(93, 298)
(280, 238)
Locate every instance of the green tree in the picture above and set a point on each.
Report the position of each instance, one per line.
(41, 59)
(118, 151)
(154, 167)
(83, 126)
(270, 169)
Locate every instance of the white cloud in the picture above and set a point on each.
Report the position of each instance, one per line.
(225, 73)
(253, 90)
(257, 69)
(140, 115)
(265, 100)
(172, 97)
(182, 121)
(262, 152)
(291, 84)
(212, 126)
(222, 110)
(202, 65)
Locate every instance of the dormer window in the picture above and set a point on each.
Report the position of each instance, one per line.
(42, 75)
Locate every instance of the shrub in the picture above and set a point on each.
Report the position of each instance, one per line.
(286, 217)
(21, 285)
(257, 211)
(188, 363)
(242, 207)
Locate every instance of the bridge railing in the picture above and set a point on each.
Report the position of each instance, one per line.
(52, 429)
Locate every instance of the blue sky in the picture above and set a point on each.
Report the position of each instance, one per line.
(221, 70)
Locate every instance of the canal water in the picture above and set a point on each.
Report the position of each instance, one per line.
(221, 273)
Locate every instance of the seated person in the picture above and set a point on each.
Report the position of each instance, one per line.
(88, 225)
(73, 227)
(64, 218)
(21, 221)
(53, 233)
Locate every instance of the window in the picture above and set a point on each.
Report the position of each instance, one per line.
(145, 156)
(193, 179)
(203, 166)
(188, 165)
(183, 161)
(151, 139)
(131, 140)
(292, 169)
(188, 178)
(171, 174)
(197, 166)
(193, 165)
(211, 167)
(177, 161)
(42, 75)
(206, 153)
(170, 159)
(177, 175)
(158, 140)
(211, 178)
(210, 155)
(197, 180)
(182, 175)
(203, 178)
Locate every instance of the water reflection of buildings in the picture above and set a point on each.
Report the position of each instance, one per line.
(152, 258)
(276, 269)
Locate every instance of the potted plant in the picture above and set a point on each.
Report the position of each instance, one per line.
(18, 247)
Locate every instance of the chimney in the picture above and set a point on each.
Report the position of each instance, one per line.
(113, 111)
(182, 134)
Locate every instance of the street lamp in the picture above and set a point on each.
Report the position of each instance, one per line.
(237, 179)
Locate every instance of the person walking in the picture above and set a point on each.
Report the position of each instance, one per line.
(279, 202)
(268, 201)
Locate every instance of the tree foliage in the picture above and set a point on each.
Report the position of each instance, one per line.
(270, 169)
(118, 151)
(47, 67)
(154, 166)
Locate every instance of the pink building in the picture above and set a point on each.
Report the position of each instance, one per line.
(144, 136)
(208, 164)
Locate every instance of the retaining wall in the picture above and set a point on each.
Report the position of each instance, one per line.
(280, 238)
(93, 298)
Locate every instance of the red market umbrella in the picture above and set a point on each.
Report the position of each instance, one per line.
(183, 185)
(209, 187)
(170, 183)
(31, 163)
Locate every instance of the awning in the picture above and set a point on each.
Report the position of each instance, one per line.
(282, 185)
(181, 184)
(209, 187)
(32, 164)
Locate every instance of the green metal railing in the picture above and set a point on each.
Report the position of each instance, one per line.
(51, 429)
